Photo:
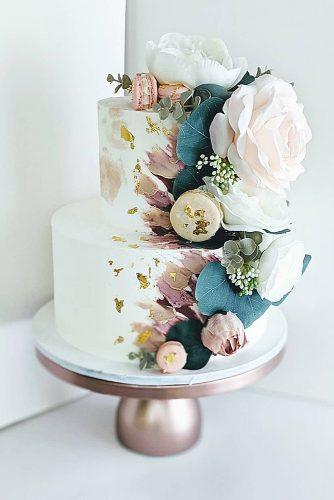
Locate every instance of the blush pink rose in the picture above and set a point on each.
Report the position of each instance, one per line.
(264, 132)
(224, 334)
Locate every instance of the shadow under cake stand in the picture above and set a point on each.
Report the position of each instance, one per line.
(158, 414)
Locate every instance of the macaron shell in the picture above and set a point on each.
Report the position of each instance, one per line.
(171, 357)
(196, 216)
(144, 91)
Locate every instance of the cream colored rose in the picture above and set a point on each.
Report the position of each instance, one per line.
(193, 60)
(269, 133)
(280, 267)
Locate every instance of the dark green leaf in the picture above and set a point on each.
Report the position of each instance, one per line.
(215, 293)
(126, 82)
(188, 333)
(119, 86)
(193, 138)
(245, 80)
(185, 96)
(189, 178)
(207, 90)
(110, 78)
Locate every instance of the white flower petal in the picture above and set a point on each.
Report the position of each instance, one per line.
(221, 134)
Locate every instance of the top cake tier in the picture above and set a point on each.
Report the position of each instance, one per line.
(137, 164)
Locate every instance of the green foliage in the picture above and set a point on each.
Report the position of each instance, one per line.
(188, 333)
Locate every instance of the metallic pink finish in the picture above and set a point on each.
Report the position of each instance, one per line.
(158, 426)
(159, 420)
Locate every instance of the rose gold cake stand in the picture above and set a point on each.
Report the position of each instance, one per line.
(159, 420)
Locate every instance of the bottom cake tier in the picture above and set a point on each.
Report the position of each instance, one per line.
(114, 293)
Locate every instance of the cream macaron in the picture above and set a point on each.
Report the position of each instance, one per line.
(196, 216)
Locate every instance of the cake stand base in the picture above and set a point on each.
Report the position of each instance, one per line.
(158, 414)
(158, 426)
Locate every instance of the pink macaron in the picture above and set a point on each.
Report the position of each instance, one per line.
(171, 357)
(144, 91)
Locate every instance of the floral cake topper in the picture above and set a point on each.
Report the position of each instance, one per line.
(239, 144)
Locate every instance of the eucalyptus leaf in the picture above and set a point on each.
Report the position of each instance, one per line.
(247, 246)
(156, 107)
(126, 82)
(215, 293)
(166, 102)
(193, 137)
(178, 111)
(231, 247)
(110, 78)
(188, 333)
(207, 90)
(119, 86)
(189, 178)
(163, 113)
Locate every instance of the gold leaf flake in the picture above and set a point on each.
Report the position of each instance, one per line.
(132, 211)
(144, 283)
(170, 357)
(119, 303)
(173, 276)
(143, 336)
(188, 211)
(156, 261)
(166, 131)
(127, 136)
(151, 313)
(118, 238)
(152, 127)
(133, 245)
(137, 167)
(200, 213)
(201, 226)
(119, 340)
(110, 262)
(118, 270)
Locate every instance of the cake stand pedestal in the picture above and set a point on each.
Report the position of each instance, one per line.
(158, 418)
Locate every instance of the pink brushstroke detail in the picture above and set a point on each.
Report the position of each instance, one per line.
(176, 298)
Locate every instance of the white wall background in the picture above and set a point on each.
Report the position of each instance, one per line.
(295, 38)
(54, 58)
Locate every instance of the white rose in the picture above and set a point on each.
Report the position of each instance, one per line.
(280, 267)
(246, 208)
(193, 60)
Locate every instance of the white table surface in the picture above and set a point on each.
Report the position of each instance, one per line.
(254, 446)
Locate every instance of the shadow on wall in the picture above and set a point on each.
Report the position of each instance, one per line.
(55, 60)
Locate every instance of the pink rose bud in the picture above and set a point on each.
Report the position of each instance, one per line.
(224, 334)
(172, 91)
(171, 357)
(144, 91)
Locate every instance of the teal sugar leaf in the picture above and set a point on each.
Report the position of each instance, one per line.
(188, 333)
(306, 261)
(215, 293)
(207, 90)
(193, 137)
(189, 178)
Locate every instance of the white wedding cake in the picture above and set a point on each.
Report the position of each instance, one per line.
(182, 254)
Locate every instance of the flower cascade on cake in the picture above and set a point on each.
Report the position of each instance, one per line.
(239, 144)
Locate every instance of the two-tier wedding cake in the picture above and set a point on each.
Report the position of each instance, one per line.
(190, 242)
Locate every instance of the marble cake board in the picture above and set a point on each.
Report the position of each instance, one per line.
(158, 414)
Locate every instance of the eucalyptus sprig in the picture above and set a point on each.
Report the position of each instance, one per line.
(240, 257)
(146, 359)
(260, 72)
(124, 82)
(179, 109)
